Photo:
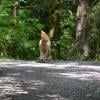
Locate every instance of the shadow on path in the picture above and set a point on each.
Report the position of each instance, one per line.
(27, 80)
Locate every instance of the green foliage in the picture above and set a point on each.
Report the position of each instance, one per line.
(20, 35)
(67, 40)
(18, 41)
(95, 31)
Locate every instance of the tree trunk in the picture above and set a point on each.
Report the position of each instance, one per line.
(3, 50)
(82, 35)
(13, 12)
(56, 24)
(0, 3)
(57, 34)
(54, 21)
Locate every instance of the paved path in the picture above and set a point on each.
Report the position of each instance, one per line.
(28, 80)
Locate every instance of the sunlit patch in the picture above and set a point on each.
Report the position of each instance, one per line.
(80, 75)
(10, 86)
(56, 97)
(52, 97)
(90, 67)
(57, 65)
(34, 64)
(35, 84)
(29, 71)
(14, 74)
(47, 65)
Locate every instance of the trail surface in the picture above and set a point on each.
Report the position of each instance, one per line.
(29, 80)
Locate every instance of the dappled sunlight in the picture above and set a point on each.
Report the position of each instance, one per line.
(29, 71)
(15, 63)
(14, 74)
(57, 65)
(52, 97)
(48, 81)
(34, 84)
(90, 67)
(82, 75)
(31, 64)
(10, 86)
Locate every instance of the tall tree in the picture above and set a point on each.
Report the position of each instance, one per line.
(14, 10)
(56, 24)
(82, 35)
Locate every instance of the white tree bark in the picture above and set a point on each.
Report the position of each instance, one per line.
(81, 28)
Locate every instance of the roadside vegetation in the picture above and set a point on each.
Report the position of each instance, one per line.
(76, 24)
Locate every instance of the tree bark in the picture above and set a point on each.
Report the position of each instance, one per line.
(13, 12)
(82, 36)
(54, 20)
(57, 34)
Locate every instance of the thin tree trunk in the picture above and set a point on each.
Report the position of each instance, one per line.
(54, 21)
(57, 31)
(1, 4)
(56, 35)
(13, 12)
(82, 35)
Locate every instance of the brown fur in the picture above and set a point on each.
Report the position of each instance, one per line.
(45, 47)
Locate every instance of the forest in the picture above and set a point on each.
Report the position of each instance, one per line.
(76, 26)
